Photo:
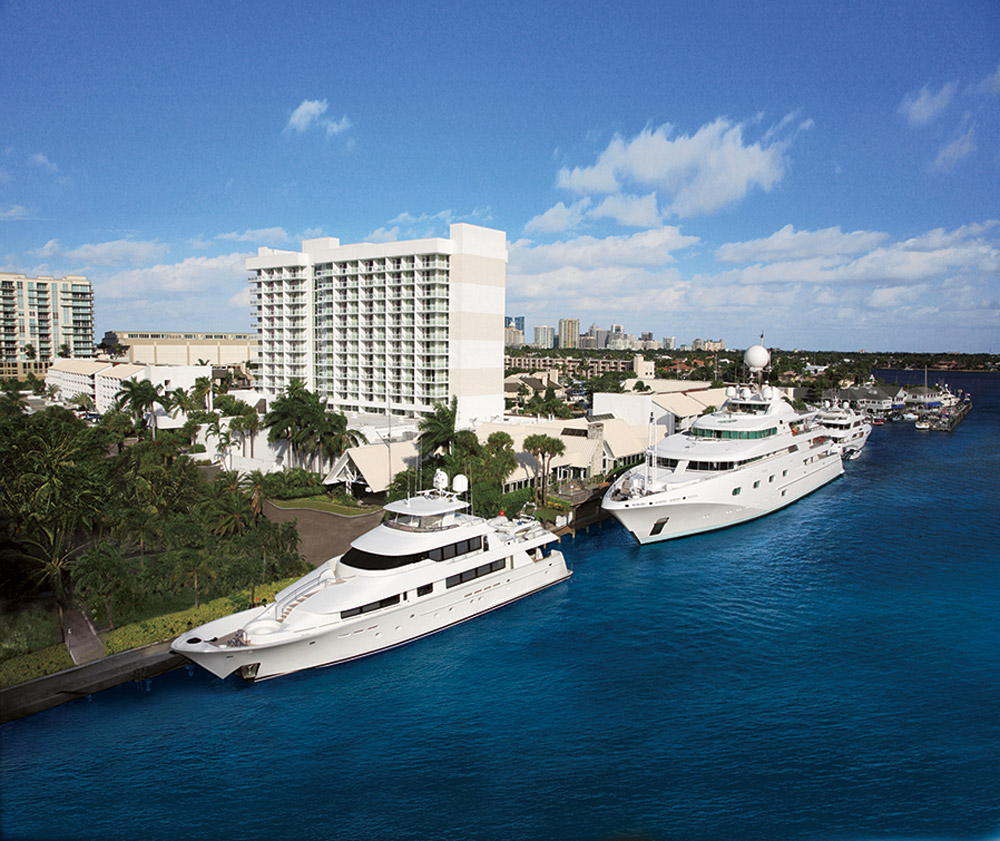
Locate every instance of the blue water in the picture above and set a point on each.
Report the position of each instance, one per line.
(829, 672)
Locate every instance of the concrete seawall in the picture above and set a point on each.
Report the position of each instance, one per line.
(51, 690)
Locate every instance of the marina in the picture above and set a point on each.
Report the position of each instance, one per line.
(813, 674)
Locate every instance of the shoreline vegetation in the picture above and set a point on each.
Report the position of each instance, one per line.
(54, 658)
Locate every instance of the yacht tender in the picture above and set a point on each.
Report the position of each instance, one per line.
(756, 455)
(428, 566)
(847, 428)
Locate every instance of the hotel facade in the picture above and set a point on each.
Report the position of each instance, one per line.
(391, 327)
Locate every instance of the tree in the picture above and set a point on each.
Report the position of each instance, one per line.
(139, 397)
(64, 351)
(254, 484)
(202, 392)
(334, 436)
(544, 448)
(186, 540)
(437, 430)
(102, 572)
(30, 352)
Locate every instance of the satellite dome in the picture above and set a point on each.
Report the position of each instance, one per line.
(756, 358)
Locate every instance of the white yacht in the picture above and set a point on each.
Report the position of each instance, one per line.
(846, 427)
(756, 455)
(428, 566)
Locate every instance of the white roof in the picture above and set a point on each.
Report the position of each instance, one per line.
(79, 366)
(377, 463)
(123, 372)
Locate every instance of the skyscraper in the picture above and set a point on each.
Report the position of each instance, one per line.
(569, 332)
(545, 336)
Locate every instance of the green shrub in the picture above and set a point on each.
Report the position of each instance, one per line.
(171, 625)
(26, 667)
(27, 629)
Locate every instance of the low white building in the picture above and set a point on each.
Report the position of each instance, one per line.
(72, 377)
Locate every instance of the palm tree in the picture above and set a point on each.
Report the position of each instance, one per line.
(289, 418)
(544, 448)
(182, 400)
(334, 436)
(141, 396)
(30, 352)
(437, 430)
(202, 392)
(227, 514)
(254, 483)
(552, 447)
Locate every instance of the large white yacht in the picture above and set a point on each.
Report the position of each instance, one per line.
(846, 427)
(756, 455)
(426, 567)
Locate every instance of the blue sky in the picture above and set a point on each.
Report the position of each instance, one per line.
(827, 174)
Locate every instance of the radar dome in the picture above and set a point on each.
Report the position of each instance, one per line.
(756, 358)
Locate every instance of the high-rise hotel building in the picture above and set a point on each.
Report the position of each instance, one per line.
(54, 316)
(391, 326)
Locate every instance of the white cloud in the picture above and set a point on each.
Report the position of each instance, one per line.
(646, 248)
(114, 253)
(13, 213)
(256, 235)
(991, 84)
(789, 244)
(208, 276)
(701, 173)
(310, 112)
(956, 150)
(922, 106)
(632, 211)
(38, 159)
(558, 218)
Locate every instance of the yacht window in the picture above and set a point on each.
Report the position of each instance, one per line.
(757, 484)
(470, 574)
(658, 526)
(425, 589)
(368, 608)
(360, 559)
(736, 491)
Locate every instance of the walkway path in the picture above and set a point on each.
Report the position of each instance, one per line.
(82, 642)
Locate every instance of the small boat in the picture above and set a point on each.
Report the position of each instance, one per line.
(910, 416)
(878, 421)
(922, 425)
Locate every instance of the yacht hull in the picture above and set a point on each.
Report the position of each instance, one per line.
(364, 635)
(710, 504)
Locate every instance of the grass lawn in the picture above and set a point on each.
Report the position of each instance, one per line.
(320, 504)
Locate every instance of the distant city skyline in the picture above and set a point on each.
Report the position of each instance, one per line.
(827, 175)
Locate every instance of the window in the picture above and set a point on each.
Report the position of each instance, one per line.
(368, 608)
(736, 491)
(425, 590)
(757, 484)
(472, 574)
(784, 473)
(658, 526)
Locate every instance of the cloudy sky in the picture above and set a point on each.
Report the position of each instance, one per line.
(828, 174)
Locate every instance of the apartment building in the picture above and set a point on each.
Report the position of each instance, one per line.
(545, 336)
(386, 327)
(569, 332)
(43, 319)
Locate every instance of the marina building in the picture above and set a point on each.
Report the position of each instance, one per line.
(43, 319)
(391, 327)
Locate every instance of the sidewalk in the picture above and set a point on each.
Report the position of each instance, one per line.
(82, 642)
